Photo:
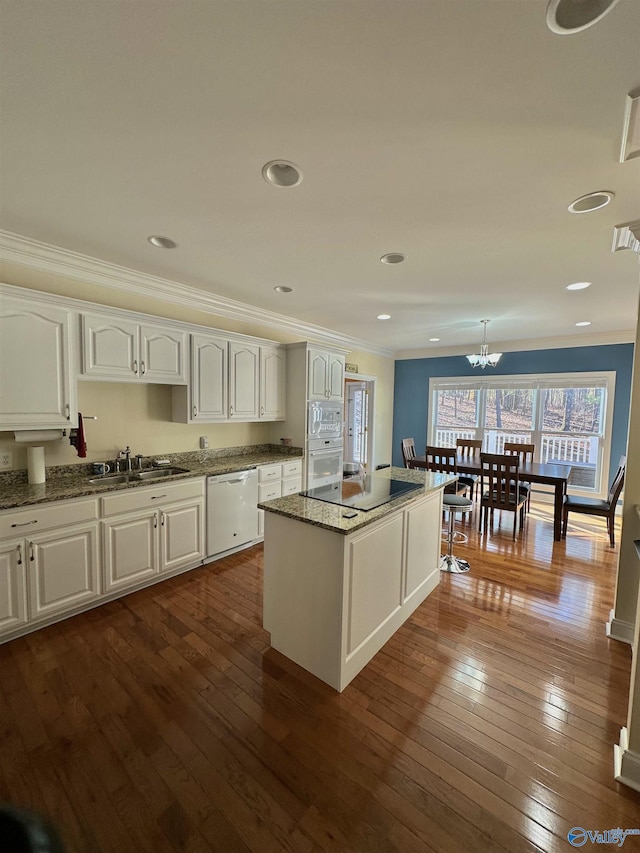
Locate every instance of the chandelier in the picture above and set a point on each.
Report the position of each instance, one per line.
(485, 357)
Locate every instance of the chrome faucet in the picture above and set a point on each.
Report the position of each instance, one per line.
(124, 454)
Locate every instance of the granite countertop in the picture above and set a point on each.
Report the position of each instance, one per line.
(72, 481)
(331, 517)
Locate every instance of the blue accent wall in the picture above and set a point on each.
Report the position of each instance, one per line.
(411, 390)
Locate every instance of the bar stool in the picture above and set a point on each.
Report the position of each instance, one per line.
(453, 504)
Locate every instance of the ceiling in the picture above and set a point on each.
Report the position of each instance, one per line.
(453, 131)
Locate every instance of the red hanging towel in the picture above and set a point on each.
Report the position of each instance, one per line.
(80, 443)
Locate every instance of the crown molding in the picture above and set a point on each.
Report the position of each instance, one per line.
(598, 340)
(36, 255)
(627, 236)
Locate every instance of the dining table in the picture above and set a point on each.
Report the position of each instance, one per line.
(543, 473)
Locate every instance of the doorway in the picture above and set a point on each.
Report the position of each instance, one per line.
(358, 420)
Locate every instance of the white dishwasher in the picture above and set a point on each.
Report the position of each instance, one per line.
(232, 511)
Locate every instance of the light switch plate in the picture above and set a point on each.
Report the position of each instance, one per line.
(204, 442)
(6, 459)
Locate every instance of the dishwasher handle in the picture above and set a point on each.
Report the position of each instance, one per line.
(234, 477)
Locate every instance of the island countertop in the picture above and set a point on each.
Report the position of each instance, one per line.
(331, 517)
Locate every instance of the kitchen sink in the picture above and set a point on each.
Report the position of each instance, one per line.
(110, 479)
(158, 473)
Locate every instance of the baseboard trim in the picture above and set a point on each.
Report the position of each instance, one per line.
(618, 629)
(626, 764)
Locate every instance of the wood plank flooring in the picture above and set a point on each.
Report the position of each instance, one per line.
(163, 721)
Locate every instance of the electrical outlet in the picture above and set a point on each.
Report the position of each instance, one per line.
(6, 460)
(204, 442)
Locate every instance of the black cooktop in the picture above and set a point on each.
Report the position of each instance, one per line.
(374, 492)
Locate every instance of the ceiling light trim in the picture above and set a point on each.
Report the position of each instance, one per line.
(565, 17)
(36, 255)
(606, 195)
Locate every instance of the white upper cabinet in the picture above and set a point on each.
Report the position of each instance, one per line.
(121, 350)
(273, 366)
(209, 383)
(325, 377)
(37, 381)
(244, 381)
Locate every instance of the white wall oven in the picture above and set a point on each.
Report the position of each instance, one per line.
(324, 461)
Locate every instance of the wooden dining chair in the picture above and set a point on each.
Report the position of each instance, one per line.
(500, 488)
(526, 453)
(595, 506)
(469, 448)
(442, 460)
(408, 447)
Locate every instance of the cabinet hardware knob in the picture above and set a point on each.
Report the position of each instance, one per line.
(195, 411)
(162, 518)
(19, 555)
(157, 497)
(31, 552)
(230, 410)
(155, 520)
(68, 411)
(25, 523)
(135, 366)
(262, 410)
(143, 369)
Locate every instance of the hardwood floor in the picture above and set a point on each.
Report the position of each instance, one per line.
(164, 722)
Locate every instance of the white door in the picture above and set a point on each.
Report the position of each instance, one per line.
(181, 536)
(318, 369)
(356, 422)
(35, 366)
(130, 550)
(110, 348)
(209, 380)
(62, 569)
(13, 586)
(272, 383)
(244, 372)
(163, 355)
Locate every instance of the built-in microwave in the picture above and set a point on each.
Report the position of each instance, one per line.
(324, 420)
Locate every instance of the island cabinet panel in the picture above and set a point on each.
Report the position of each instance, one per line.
(13, 586)
(374, 580)
(422, 543)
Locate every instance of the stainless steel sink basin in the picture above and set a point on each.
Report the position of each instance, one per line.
(110, 479)
(157, 473)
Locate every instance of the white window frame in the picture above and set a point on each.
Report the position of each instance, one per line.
(537, 382)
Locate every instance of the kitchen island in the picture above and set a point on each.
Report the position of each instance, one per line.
(339, 582)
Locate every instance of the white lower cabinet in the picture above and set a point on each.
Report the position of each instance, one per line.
(48, 574)
(277, 481)
(52, 564)
(153, 530)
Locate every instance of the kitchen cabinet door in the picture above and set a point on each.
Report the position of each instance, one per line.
(244, 373)
(181, 535)
(335, 377)
(130, 550)
(62, 568)
(318, 369)
(209, 379)
(13, 586)
(163, 355)
(110, 348)
(272, 383)
(37, 381)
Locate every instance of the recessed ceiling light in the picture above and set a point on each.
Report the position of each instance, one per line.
(384, 316)
(393, 258)
(162, 242)
(282, 173)
(584, 323)
(591, 201)
(282, 288)
(572, 16)
(433, 340)
(579, 285)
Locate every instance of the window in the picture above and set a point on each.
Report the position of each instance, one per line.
(566, 416)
